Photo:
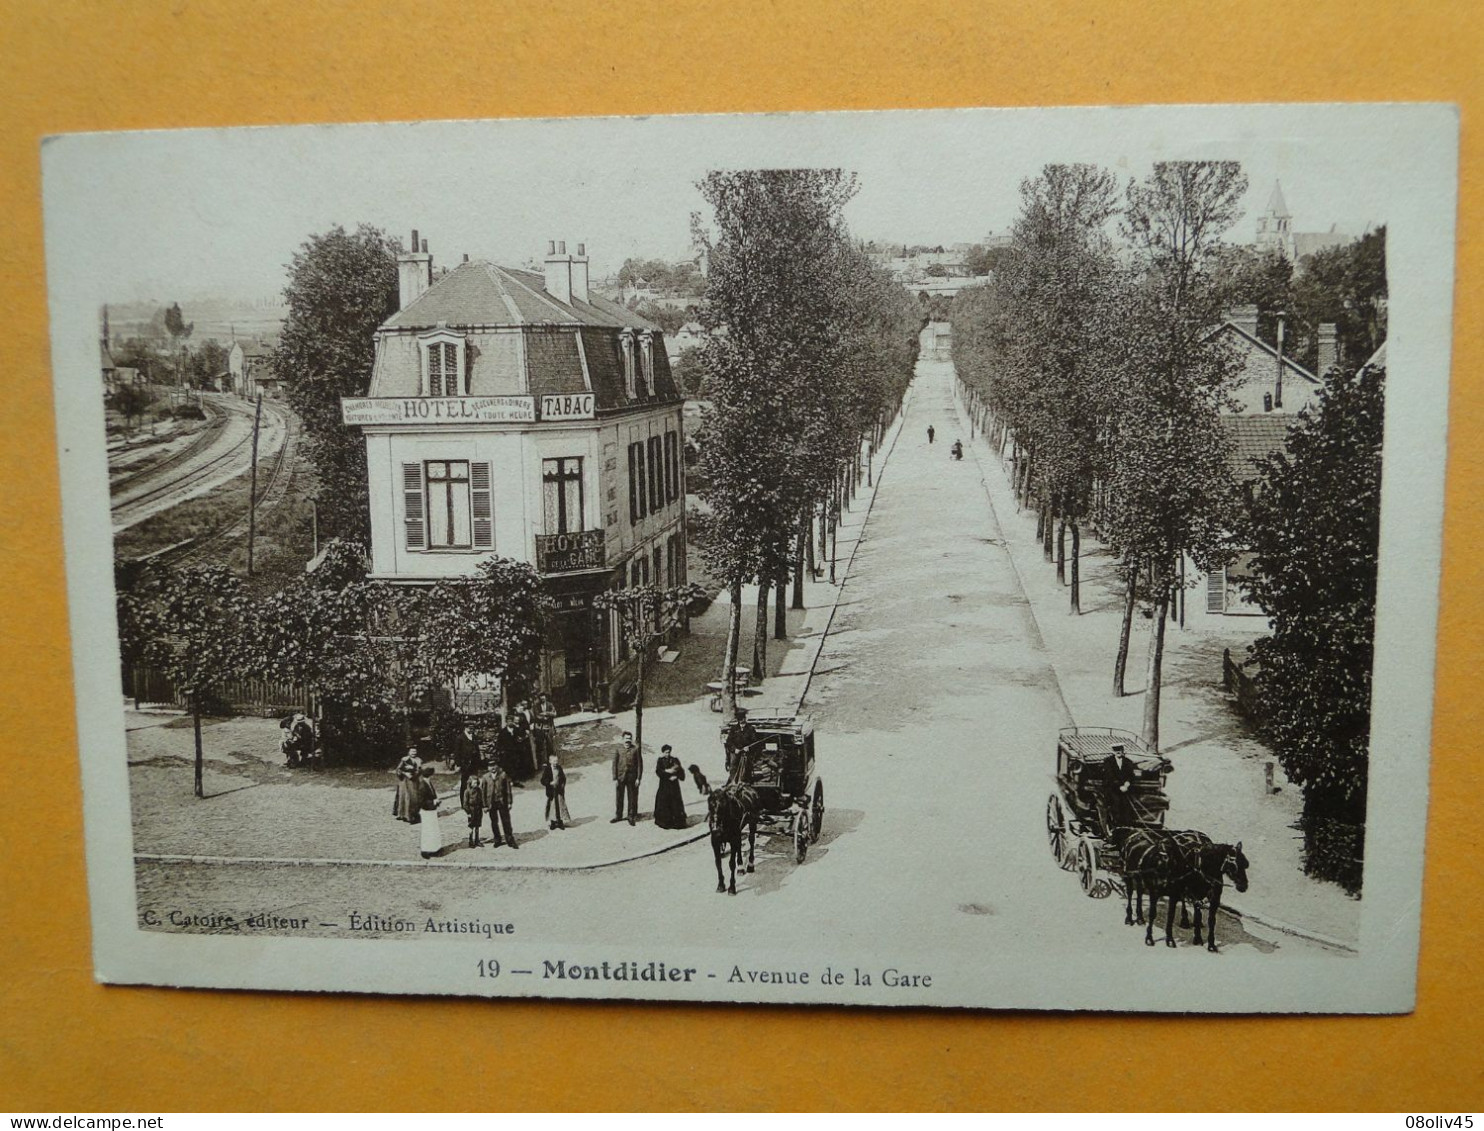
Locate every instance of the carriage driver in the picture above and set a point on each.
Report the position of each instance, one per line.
(1119, 785)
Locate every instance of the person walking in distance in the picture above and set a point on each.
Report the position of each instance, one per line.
(628, 772)
(930, 433)
(498, 794)
(554, 778)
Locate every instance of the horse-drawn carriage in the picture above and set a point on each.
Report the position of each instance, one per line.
(773, 754)
(1081, 812)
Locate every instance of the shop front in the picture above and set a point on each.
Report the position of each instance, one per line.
(574, 659)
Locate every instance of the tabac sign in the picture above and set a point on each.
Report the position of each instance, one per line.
(567, 406)
(569, 553)
(438, 410)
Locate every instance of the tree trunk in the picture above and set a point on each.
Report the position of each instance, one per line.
(200, 755)
(824, 527)
(1156, 658)
(760, 632)
(803, 541)
(1076, 568)
(870, 456)
(1130, 595)
(1048, 529)
(810, 560)
(639, 694)
(1061, 549)
(1041, 525)
(834, 543)
(734, 641)
(780, 610)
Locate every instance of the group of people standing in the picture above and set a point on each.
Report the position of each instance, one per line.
(628, 772)
(487, 786)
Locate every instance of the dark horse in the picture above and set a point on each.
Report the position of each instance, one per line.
(729, 811)
(1188, 866)
(1138, 846)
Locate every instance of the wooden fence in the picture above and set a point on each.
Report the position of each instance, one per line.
(1241, 686)
(151, 687)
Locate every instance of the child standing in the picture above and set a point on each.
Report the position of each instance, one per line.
(473, 803)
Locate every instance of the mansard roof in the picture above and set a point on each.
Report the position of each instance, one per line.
(480, 293)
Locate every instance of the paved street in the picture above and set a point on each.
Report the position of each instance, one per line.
(937, 712)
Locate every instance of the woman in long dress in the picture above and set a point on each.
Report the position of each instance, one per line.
(427, 803)
(669, 806)
(404, 801)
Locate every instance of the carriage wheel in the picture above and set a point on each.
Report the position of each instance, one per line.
(801, 838)
(1056, 831)
(816, 813)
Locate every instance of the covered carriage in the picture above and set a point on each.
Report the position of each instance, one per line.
(774, 754)
(1078, 812)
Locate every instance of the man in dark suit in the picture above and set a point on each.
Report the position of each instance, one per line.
(1119, 785)
(628, 771)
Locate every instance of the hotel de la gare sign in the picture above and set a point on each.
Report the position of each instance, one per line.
(466, 410)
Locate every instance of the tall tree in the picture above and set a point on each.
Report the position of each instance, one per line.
(205, 621)
(1315, 535)
(1346, 286)
(1172, 488)
(342, 286)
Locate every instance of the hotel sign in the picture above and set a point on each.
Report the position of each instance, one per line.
(438, 410)
(567, 406)
(570, 553)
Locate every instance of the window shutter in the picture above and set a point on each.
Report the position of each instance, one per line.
(481, 505)
(1216, 591)
(412, 505)
(635, 493)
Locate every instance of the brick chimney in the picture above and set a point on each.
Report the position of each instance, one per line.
(414, 272)
(558, 271)
(1329, 351)
(1244, 318)
(579, 274)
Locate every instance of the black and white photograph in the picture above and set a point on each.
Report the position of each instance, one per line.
(971, 558)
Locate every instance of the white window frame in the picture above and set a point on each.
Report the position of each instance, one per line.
(425, 344)
(626, 346)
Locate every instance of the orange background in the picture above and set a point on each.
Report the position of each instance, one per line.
(68, 1044)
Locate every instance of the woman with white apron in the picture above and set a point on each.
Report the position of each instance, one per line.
(428, 828)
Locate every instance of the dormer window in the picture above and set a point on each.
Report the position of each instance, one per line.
(646, 355)
(626, 343)
(442, 364)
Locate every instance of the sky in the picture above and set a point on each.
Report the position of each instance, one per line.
(218, 213)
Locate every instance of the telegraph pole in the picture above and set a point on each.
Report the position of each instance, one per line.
(252, 496)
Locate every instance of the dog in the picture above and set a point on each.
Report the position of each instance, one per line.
(700, 779)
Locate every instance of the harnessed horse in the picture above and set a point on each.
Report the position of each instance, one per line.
(1189, 866)
(729, 811)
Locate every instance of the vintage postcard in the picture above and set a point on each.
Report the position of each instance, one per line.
(977, 558)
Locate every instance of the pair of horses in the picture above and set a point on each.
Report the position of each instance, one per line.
(1182, 867)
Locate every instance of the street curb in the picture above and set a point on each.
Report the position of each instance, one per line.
(1030, 605)
(289, 862)
(1291, 929)
(859, 538)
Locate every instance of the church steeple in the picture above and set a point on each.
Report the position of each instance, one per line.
(1274, 226)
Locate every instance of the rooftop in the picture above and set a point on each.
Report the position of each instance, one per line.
(480, 293)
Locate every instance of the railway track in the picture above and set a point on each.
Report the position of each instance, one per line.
(190, 478)
(199, 443)
(271, 492)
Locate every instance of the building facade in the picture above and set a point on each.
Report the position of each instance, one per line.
(518, 414)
